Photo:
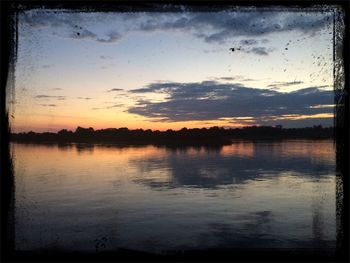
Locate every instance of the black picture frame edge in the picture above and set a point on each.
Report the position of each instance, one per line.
(9, 10)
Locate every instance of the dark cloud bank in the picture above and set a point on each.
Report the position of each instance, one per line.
(211, 100)
(212, 27)
(219, 26)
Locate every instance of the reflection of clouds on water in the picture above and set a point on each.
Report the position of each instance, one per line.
(106, 197)
(228, 165)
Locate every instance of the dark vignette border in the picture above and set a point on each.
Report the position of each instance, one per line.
(8, 36)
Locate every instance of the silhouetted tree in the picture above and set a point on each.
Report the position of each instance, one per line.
(212, 136)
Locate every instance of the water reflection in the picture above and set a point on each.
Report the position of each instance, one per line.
(235, 164)
(157, 199)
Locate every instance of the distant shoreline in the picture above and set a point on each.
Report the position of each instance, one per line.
(214, 136)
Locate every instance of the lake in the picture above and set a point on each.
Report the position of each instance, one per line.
(90, 198)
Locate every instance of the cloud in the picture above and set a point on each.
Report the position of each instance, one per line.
(249, 46)
(48, 105)
(82, 98)
(290, 122)
(50, 97)
(263, 51)
(111, 90)
(73, 23)
(83, 34)
(211, 100)
(217, 27)
(236, 77)
(286, 84)
(115, 106)
(212, 27)
(227, 78)
(248, 42)
(40, 18)
(109, 107)
(87, 34)
(111, 37)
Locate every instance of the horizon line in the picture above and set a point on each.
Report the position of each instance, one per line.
(183, 128)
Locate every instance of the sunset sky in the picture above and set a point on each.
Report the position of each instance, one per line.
(160, 70)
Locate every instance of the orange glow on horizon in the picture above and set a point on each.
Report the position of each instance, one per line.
(51, 122)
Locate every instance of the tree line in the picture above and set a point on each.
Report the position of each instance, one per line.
(206, 136)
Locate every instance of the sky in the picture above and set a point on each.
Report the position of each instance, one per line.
(169, 70)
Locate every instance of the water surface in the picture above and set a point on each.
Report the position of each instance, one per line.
(272, 194)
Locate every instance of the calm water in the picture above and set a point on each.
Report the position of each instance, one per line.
(95, 198)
